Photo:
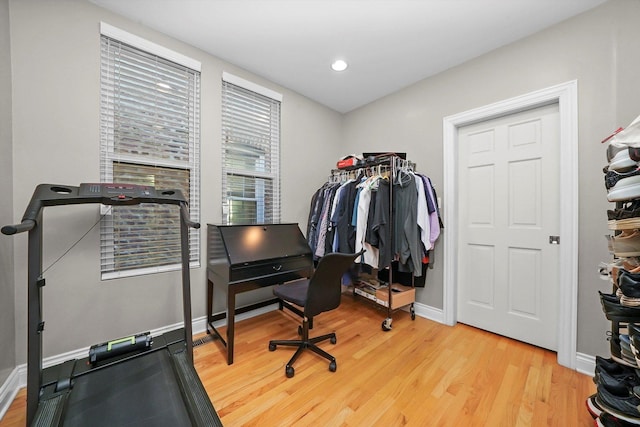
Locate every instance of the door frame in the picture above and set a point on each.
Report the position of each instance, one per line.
(566, 96)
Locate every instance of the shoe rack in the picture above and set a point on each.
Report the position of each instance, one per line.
(616, 377)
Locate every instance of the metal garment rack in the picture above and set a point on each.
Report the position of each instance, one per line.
(385, 165)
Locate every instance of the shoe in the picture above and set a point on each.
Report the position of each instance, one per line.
(625, 351)
(620, 385)
(622, 186)
(615, 311)
(621, 160)
(615, 345)
(592, 406)
(611, 270)
(626, 217)
(621, 406)
(607, 420)
(615, 369)
(627, 243)
(634, 340)
(629, 286)
(625, 137)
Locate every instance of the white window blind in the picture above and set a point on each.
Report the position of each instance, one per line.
(149, 135)
(250, 156)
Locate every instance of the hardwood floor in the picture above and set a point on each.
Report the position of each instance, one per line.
(420, 373)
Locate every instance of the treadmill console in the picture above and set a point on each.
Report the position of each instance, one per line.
(117, 194)
(105, 193)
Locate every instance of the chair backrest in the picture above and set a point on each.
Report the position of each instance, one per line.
(325, 285)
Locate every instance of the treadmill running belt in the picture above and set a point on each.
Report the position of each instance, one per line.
(138, 392)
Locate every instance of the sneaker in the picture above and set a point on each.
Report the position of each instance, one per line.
(607, 420)
(625, 137)
(626, 217)
(629, 285)
(624, 407)
(629, 302)
(592, 406)
(621, 160)
(620, 385)
(611, 270)
(613, 368)
(627, 243)
(615, 311)
(622, 186)
(625, 350)
(634, 341)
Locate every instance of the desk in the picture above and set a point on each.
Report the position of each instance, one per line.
(243, 258)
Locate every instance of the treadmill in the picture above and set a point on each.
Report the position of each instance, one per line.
(131, 381)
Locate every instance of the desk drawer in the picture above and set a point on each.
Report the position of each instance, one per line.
(283, 266)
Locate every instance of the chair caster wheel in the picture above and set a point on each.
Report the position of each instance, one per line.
(289, 371)
(333, 340)
(272, 347)
(333, 366)
(386, 324)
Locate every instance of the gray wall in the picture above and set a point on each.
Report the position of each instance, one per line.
(55, 139)
(599, 50)
(7, 285)
(55, 58)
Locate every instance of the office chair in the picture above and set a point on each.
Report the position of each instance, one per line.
(316, 295)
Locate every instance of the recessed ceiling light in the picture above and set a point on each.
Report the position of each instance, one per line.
(339, 65)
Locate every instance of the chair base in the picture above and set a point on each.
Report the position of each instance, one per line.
(303, 344)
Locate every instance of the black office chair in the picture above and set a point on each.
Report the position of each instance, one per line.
(316, 295)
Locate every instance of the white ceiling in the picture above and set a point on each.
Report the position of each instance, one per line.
(389, 44)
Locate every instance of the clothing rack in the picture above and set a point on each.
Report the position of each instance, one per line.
(391, 167)
(377, 168)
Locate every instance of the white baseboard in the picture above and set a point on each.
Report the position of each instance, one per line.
(585, 364)
(428, 312)
(8, 391)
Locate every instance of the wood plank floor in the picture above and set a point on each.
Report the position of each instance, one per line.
(420, 373)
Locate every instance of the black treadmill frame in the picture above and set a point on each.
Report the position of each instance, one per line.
(46, 195)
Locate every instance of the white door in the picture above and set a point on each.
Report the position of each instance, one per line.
(508, 273)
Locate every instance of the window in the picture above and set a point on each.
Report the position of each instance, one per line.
(250, 153)
(149, 135)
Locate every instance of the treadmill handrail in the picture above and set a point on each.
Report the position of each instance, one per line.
(25, 225)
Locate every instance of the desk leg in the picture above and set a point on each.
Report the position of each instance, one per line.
(231, 321)
(209, 304)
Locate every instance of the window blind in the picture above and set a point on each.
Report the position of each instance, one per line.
(150, 135)
(250, 156)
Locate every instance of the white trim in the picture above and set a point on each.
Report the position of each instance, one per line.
(566, 95)
(585, 364)
(147, 46)
(429, 312)
(8, 390)
(146, 270)
(253, 87)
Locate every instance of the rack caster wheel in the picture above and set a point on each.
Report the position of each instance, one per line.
(289, 371)
(333, 340)
(413, 313)
(333, 366)
(272, 347)
(386, 324)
